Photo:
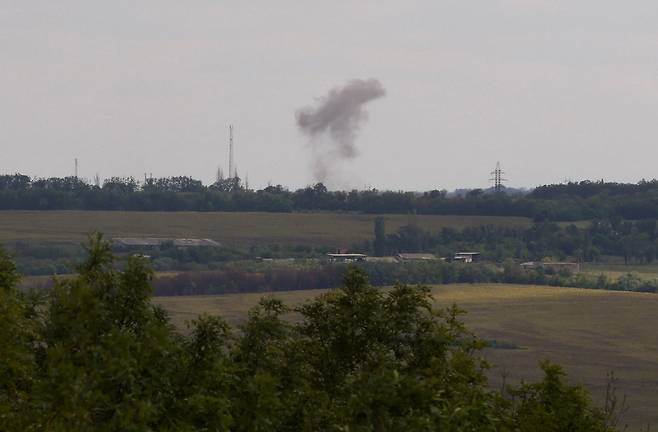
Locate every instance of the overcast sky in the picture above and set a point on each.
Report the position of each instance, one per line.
(553, 90)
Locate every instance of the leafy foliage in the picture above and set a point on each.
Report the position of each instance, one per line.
(97, 355)
(634, 241)
(553, 405)
(271, 278)
(567, 202)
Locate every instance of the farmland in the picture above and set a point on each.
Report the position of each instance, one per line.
(614, 271)
(589, 332)
(232, 228)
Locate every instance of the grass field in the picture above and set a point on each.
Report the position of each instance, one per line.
(614, 271)
(590, 332)
(317, 229)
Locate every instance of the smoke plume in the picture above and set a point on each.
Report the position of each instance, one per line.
(334, 122)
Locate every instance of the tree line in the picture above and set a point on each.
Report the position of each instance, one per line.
(568, 202)
(634, 241)
(271, 278)
(94, 354)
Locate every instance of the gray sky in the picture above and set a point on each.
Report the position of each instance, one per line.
(555, 90)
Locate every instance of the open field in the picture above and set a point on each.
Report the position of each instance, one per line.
(590, 332)
(317, 229)
(614, 271)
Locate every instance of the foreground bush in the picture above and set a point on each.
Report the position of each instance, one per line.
(97, 355)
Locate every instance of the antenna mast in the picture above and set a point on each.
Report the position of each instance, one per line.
(231, 167)
(76, 167)
(497, 178)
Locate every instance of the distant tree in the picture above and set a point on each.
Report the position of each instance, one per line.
(435, 193)
(233, 184)
(278, 189)
(379, 244)
(125, 185)
(16, 182)
(173, 184)
(475, 193)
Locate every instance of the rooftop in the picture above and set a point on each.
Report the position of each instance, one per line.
(157, 241)
(417, 256)
(346, 255)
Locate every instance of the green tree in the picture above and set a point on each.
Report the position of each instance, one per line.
(554, 405)
(379, 244)
(389, 361)
(96, 355)
(17, 359)
(108, 353)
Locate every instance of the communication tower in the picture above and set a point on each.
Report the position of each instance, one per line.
(231, 166)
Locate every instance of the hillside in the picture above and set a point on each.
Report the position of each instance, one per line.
(590, 332)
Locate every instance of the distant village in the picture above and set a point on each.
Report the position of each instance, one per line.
(341, 256)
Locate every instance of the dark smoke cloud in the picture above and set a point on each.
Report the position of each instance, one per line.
(337, 116)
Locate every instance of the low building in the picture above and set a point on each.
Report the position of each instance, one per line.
(551, 266)
(128, 242)
(415, 257)
(382, 259)
(466, 257)
(346, 257)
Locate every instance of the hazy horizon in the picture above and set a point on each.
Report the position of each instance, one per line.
(553, 90)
